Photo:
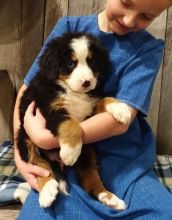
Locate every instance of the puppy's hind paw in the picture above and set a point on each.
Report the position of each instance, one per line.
(111, 201)
(48, 193)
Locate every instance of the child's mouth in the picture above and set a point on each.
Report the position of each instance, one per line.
(121, 26)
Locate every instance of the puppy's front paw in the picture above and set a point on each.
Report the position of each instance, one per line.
(48, 193)
(68, 154)
(120, 111)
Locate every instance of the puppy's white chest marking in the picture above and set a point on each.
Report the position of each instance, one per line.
(79, 105)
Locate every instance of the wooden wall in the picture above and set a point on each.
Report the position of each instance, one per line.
(25, 24)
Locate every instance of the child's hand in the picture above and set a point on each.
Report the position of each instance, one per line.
(29, 171)
(34, 123)
(35, 127)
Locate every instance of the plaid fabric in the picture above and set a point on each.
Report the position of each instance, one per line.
(163, 169)
(12, 186)
(14, 189)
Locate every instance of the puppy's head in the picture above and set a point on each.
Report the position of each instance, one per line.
(77, 59)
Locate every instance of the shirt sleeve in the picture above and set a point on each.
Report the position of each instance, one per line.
(136, 83)
(59, 29)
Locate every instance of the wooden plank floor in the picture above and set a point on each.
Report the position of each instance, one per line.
(9, 212)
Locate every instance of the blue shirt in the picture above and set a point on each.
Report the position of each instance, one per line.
(135, 60)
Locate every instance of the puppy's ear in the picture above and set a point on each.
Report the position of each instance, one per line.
(50, 60)
(102, 57)
(101, 54)
(104, 60)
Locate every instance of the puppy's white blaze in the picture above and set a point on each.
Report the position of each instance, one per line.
(82, 71)
(113, 202)
(80, 74)
(68, 154)
(48, 193)
(63, 187)
(80, 46)
(120, 111)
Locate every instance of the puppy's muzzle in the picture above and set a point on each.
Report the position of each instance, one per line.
(86, 83)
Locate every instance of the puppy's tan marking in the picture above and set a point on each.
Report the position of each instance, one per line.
(43, 180)
(88, 173)
(73, 56)
(70, 132)
(32, 150)
(63, 76)
(101, 106)
(91, 182)
(89, 177)
(70, 140)
(57, 104)
(35, 159)
(48, 186)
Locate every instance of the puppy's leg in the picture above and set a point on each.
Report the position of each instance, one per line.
(70, 140)
(90, 180)
(48, 186)
(120, 111)
(51, 185)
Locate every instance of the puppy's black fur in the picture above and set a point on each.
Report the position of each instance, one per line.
(44, 88)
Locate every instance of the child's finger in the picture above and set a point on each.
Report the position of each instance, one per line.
(31, 107)
(33, 182)
(38, 113)
(39, 171)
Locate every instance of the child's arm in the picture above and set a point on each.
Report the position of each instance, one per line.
(29, 171)
(34, 124)
(96, 128)
(103, 125)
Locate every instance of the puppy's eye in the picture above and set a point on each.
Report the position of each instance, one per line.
(70, 64)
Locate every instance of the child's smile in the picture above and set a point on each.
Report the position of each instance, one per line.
(123, 16)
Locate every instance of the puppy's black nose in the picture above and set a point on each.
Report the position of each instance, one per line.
(86, 84)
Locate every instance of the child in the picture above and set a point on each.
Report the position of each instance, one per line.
(125, 153)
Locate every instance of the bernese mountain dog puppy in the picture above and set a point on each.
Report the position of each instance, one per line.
(66, 90)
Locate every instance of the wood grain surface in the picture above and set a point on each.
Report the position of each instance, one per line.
(9, 212)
